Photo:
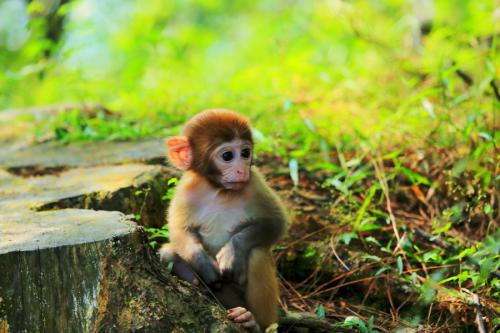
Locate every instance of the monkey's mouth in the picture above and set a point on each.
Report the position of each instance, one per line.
(235, 185)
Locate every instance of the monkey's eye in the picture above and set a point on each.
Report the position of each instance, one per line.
(227, 156)
(245, 153)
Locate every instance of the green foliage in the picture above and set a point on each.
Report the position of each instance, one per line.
(75, 126)
(347, 237)
(320, 312)
(157, 235)
(320, 74)
(359, 324)
(335, 88)
(171, 183)
(293, 165)
(481, 260)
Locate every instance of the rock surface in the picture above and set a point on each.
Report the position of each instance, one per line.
(129, 188)
(50, 264)
(92, 271)
(58, 155)
(28, 231)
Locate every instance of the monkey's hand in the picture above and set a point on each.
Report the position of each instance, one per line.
(232, 264)
(206, 267)
(245, 318)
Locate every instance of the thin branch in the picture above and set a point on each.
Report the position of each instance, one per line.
(385, 190)
(337, 256)
(290, 286)
(394, 312)
(479, 316)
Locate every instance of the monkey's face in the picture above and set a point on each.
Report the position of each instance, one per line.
(233, 159)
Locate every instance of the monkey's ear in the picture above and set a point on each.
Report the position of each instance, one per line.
(179, 152)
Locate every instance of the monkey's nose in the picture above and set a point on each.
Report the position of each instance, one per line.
(241, 175)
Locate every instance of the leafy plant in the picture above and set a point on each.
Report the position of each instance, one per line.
(356, 322)
(157, 236)
(400, 131)
(171, 183)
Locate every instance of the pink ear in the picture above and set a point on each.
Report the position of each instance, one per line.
(179, 152)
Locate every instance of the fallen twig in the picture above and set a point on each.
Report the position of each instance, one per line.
(479, 315)
(380, 174)
(336, 255)
(290, 286)
(385, 190)
(297, 320)
(393, 310)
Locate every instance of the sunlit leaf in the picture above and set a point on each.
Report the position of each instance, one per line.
(293, 165)
(428, 107)
(347, 237)
(372, 240)
(364, 206)
(381, 270)
(399, 263)
(320, 311)
(433, 256)
(371, 257)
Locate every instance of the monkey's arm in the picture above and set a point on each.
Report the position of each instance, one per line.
(187, 245)
(269, 220)
(260, 232)
(263, 230)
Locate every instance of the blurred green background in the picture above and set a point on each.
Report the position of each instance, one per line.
(363, 104)
(357, 71)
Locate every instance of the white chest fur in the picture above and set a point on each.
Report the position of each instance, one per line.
(217, 218)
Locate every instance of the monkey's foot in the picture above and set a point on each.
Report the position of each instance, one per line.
(245, 318)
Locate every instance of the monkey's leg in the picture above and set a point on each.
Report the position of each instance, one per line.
(262, 287)
(230, 295)
(181, 268)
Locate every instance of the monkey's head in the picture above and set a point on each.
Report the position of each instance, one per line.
(217, 144)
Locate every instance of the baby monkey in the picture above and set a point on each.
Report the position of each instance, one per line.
(224, 218)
